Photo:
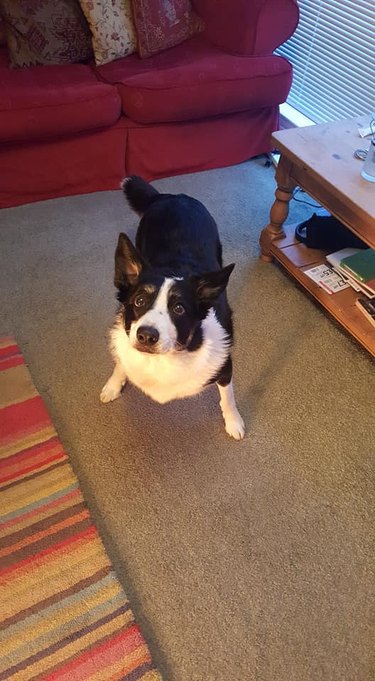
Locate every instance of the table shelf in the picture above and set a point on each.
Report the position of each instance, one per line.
(295, 258)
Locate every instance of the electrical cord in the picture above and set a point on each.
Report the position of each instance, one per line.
(297, 190)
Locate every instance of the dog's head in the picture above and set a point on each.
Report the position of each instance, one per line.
(163, 314)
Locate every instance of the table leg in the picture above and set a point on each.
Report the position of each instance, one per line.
(280, 209)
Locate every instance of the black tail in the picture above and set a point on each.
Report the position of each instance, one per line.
(139, 193)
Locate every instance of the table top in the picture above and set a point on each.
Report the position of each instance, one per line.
(326, 151)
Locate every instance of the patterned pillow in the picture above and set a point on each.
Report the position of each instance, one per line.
(163, 23)
(112, 28)
(2, 33)
(45, 32)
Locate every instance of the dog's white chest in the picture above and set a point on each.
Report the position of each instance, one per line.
(172, 375)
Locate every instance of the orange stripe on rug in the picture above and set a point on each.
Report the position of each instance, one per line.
(44, 556)
(37, 512)
(46, 533)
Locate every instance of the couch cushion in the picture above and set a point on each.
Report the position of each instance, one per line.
(43, 102)
(196, 80)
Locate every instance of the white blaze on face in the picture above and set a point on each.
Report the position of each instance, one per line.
(158, 318)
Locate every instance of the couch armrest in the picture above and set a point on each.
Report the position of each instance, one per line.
(248, 27)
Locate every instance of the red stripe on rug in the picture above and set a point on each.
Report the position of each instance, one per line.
(22, 419)
(102, 655)
(34, 467)
(30, 452)
(10, 362)
(9, 350)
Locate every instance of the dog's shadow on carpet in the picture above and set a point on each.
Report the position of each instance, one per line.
(170, 426)
(260, 296)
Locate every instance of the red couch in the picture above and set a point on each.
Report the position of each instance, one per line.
(211, 101)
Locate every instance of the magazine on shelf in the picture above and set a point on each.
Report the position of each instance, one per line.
(367, 307)
(360, 265)
(327, 278)
(335, 259)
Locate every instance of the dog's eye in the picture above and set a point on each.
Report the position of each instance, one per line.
(178, 309)
(140, 300)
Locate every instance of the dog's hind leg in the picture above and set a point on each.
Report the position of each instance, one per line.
(234, 424)
(114, 385)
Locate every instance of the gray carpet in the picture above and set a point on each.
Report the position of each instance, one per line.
(244, 561)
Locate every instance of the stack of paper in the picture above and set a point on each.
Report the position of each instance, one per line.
(357, 267)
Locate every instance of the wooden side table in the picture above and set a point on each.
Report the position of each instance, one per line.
(319, 159)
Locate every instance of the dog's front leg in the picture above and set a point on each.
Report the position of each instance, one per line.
(114, 385)
(234, 424)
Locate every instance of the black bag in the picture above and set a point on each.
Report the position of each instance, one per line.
(327, 233)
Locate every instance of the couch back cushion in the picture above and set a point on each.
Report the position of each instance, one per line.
(112, 28)
(162, 24)
(45, 32)
(51, 102)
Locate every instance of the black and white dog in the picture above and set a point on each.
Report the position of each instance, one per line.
(173, 333)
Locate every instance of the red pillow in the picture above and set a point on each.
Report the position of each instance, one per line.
(163, 23)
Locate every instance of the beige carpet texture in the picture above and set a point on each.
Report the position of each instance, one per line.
(243, 561)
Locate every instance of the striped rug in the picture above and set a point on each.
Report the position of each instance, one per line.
(63, 612)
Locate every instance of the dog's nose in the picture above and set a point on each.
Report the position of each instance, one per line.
(147, 335)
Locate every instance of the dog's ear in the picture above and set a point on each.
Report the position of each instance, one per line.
(211, 284)
(128, 263)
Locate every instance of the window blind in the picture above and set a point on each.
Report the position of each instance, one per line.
(333, 57)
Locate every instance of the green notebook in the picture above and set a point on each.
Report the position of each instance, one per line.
(361, 265)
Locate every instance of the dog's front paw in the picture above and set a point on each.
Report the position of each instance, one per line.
(111, 391)
(235, 426)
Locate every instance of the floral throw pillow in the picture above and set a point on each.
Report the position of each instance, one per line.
(45, 32)
(163, 23)
(112, 28)
(2, 33)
